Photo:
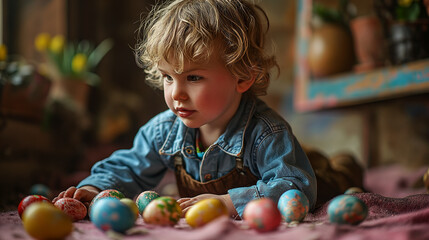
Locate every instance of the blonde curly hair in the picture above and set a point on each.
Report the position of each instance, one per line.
(190, 30)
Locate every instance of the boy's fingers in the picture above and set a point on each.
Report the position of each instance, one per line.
(69, 192)
(182, 200)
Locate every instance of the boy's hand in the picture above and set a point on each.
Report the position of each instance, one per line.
(187, 203)
(84, 194)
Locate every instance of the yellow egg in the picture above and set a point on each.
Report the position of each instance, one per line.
(45, 221)
(130, 203)
(205, 211)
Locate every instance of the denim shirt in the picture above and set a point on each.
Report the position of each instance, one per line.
(256, 133)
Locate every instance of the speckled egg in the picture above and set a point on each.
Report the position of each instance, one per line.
(262, 215)
(25, 202)
(132, 205)
(75, 209)
(144, 199)
(112, 214)
(353, 190)
(205, 211)
(347, 209)
(164, 211)
(108, 193)
(293, 205)
(43, 220)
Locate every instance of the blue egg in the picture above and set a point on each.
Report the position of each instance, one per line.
(347, 209)
(293, 205)
(40, 189)
(112, 214)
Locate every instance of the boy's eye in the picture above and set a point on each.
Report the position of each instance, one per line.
(194, 78)
(167, 78)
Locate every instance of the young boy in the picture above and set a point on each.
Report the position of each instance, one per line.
(223, 142)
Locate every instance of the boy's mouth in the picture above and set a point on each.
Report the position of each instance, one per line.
(183, 112)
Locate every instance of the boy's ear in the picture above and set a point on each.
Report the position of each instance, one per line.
(244, 84)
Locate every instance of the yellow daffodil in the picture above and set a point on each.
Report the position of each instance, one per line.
(42, 41)
(79, 63)
(57, 44)
(3, 52)
(405, 3)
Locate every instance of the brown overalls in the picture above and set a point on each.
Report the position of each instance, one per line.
(334, 176)
(189, 187)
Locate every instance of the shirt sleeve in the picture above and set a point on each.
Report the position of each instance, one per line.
(130, 171)
(282, 165)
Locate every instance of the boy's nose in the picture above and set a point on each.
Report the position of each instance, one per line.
(178, 93)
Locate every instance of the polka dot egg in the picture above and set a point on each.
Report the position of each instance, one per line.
(347, 209)
(112, 214)
(293, 205)
(144, 199)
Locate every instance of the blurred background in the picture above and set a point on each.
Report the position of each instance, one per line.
(354, 77)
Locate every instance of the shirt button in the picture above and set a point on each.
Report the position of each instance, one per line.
(207, 177)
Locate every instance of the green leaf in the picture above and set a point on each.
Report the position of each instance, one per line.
(69, 52)
(92, 79)
(410, 13)
(99, 52)
(327, 14)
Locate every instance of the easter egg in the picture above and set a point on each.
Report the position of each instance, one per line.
(132, 205)
(144, 199)
(347, 209)
(112, 214)
(353, 190)
(108, 193)
(164, 211)
(262, 215)
(43, 220)
(74, 208)
(40, 189)
(293, 205)
(25, 202)
(205, 211)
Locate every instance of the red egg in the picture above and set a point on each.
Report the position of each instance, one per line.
(25, 202)
(262, 215)
(72, 207)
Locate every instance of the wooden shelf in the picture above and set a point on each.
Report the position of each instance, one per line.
(351, 89)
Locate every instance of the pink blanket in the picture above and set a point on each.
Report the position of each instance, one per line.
(389, 218)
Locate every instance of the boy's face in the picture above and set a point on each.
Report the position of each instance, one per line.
(204, 95)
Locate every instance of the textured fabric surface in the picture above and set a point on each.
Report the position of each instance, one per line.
(389, 218)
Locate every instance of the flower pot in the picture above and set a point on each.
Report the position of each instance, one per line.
(368, 42)
(330, 50)
(408, 41)
(73, 92)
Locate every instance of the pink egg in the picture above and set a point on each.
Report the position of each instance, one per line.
(262, 215)
(72, 207)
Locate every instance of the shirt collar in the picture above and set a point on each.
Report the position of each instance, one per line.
(231, 141)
